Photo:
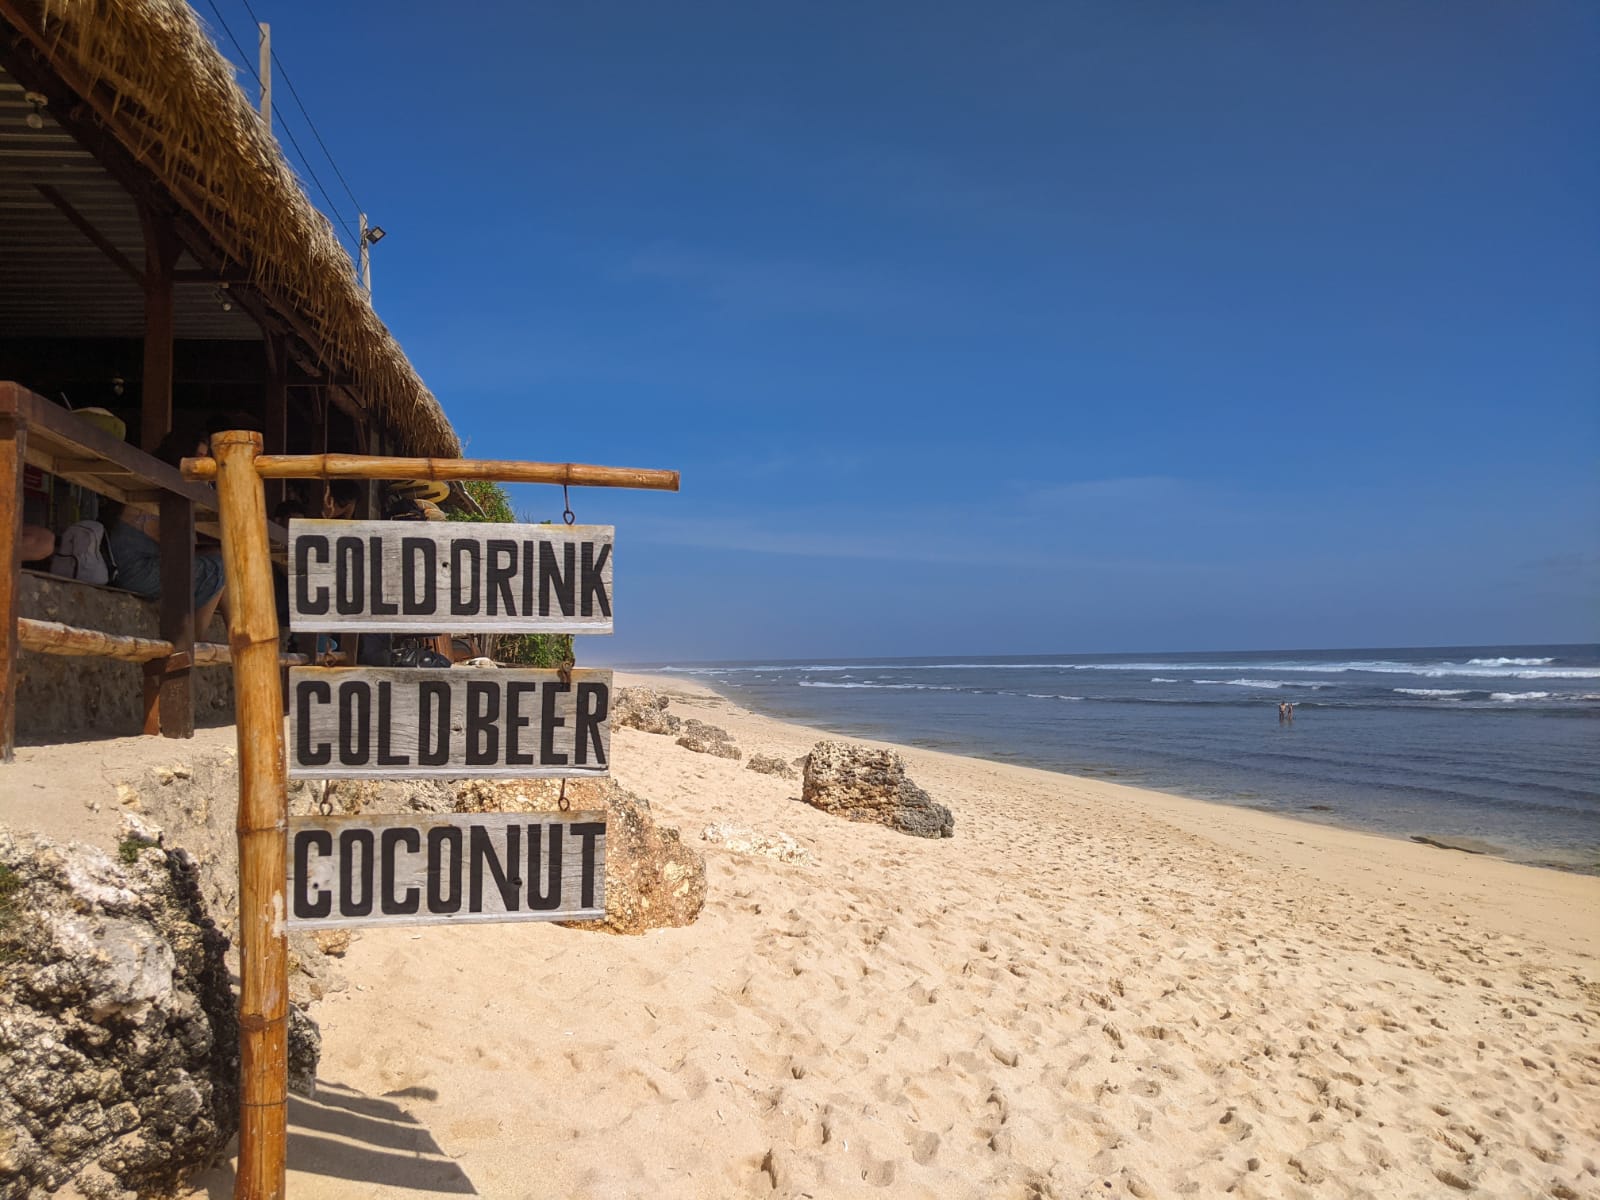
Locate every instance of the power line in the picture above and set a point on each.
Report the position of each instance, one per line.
(300, 104)
(293, 141)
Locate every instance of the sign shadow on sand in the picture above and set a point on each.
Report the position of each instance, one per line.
(345, 1134)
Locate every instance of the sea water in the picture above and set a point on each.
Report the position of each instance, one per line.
(1495, 747)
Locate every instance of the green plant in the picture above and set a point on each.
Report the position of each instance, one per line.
(129, 849)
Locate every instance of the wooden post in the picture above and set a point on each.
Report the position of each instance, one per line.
(276, 409)
(155, 389)
(176, 687)
(263, 823)
(13, 440)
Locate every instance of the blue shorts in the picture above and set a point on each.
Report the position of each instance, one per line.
(138, 559)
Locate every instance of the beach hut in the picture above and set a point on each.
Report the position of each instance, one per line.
(160, 264)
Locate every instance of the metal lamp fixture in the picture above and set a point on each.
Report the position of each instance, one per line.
(36, 102)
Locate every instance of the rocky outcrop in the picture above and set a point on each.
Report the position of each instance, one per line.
(708, 739)
(118, 1040)
(643, 708)
(770, 764)
(864, 784)
(778, 845)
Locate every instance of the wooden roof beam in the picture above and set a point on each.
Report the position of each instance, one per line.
(98, 239)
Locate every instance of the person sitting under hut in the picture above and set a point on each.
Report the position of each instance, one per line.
(340, 500)
(135, 541)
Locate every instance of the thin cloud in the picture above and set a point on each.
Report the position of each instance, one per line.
(780, 287)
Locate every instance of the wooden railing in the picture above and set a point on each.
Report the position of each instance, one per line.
(35, 432)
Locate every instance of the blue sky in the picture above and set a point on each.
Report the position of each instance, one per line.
(1013, 327)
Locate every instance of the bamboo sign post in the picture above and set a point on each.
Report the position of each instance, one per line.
(364, 723)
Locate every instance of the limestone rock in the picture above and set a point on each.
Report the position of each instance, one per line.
(708, 739)
(737, 838)
(864, 784)
(118, 1035)
(643, 708)
(305, 1049)
(653, 881)
(770, 764)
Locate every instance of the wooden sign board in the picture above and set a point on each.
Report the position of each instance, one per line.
(424, 577)
(454, 868)
(458, 723)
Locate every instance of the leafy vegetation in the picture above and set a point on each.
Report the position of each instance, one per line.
(523, 649)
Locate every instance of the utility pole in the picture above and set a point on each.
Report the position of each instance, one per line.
(366, 258)
(265, 72)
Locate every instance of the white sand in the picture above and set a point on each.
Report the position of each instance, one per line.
(1091, 990)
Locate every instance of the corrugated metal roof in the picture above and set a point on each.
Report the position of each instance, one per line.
(54, 282)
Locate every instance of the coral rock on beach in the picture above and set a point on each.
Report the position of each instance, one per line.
(708, 739)
(741, 840)
(643, 708)
(653, 881)
(117, 1025)
(770, 764)
(863, 784)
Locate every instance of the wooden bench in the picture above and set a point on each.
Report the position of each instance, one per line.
(35, 432)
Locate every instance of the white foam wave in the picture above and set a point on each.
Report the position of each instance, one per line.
(1477, 668)
(1271, 684)
(1509, 697)
(1434, 692)
(892, 687)
(1050, 696)
(1162, 679)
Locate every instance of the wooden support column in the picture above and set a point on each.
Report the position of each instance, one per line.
(155, 396)
(275, 410)
(263, 823)
(318, 491)
(13, 442)
(176, 684)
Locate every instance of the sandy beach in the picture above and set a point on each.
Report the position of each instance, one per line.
(1090, 990)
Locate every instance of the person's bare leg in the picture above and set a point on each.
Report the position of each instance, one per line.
(37, 542)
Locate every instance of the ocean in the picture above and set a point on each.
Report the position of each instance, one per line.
(1493, 747)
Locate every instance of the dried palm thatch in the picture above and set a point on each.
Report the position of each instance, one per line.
(161, 87)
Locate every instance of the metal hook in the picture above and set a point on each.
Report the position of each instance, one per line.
(567, 514)
(562, 802)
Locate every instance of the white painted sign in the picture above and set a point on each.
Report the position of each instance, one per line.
(421, 577)
(366, 723)
(456, 868)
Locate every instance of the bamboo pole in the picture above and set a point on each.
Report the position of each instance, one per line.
(263, 822)
(51, 637)
(363, 466)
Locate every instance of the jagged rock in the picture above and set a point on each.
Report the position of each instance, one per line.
(334, 942)
(863, 784)
(708, 739)
(305, 1049)
(777, 845)
(653, 881)
(770, 764)
(643, 708)
(118, 1036)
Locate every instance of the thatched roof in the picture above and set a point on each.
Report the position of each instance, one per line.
(164, 91)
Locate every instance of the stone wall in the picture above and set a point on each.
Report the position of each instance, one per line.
(61, 698)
